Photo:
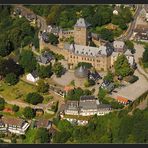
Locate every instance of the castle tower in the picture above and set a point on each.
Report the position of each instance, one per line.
(80, 32)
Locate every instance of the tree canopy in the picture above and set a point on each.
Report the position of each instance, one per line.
(28, 113)
(11, 79)
(107, 34)
(44, 71)
(2, 104)
(76, 93)
(145, 56)
(110, 128)
(42, 136)
(42, 86)
(122, 67)
(27, 60)
(34, 98)
(58, 69)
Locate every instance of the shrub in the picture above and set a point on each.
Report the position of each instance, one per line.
(2, 104)
(34, 98)
(28, 113)
(15, 108)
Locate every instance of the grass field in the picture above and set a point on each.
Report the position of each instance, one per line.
(17, 91)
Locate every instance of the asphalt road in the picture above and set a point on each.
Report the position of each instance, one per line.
(41, 20)
(130, 30)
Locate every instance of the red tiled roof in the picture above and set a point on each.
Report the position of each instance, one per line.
(68, 88)
(13, 121)
(122, 99)
(8, 110)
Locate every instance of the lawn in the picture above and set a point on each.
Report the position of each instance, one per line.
(17, 91)
(46, 116)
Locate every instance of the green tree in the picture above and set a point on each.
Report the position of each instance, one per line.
(15, 108)
(89, 83)
(53, 39)
(109, 77)
(129, 44)
(28, 113)
(85, 64)
(42, 86)
(28, 61)
(102, 93)
(58, 69)
(42, 136)
(6, 47)
(34, 98)
(44, 71)
(2, 104)
(11, 79)
(61, 137)
(122, 67)
(145, 56)
(106, 34)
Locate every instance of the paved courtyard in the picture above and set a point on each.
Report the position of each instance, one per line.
(133, 91)
(67, 78)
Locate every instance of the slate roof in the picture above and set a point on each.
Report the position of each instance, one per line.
(87, 105)
(72, 105)
(118, 44)
(42, 123)
(45, 58)
(81, 23)
(94, 75)
(12, 121)
(34, 73)
(103, 106)
(91, 51)
(87, 98)
(109, 87)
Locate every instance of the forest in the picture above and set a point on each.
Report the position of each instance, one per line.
(96, 15)
(116, 127)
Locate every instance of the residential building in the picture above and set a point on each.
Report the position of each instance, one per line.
(13, 125)
(71, 108)
(87, 106)
(45, 58)
(94, 76)
(109, 86)
(119, 46)
(45, 37)
(141, 33)
(130, 57)
(43, 123)
(127, 53)
(33, 76)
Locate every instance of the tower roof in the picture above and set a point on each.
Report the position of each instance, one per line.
(81, 72)
(81, 23)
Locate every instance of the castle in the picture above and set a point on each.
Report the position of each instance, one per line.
(79, 51)
(102, 57)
